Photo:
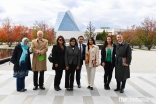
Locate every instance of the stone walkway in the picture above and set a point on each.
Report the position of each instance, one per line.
(140, 87)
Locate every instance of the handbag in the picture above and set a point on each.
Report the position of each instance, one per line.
(87, 59)
(41, 57)
(50, 58)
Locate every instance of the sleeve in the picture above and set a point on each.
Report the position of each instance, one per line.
(33, 48)
(46, 47)
(54, 54)
(97, 55)
(14, 55)
(129, 55)
(66, 56)
(84, 52)
(78, 58)
(102, 56)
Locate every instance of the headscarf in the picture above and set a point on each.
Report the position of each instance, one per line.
(25, 51)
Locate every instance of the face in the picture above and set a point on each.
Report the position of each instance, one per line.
(80, 40)
(40, 35)
(109, 40)
(119, 38)
(26, 42)
(90, 41)
(60, 40)
(72, 43)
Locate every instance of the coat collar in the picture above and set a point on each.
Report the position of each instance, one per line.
(123, 43)
(40, 40)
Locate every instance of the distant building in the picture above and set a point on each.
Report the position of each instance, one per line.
(114, 31)
(68, 25)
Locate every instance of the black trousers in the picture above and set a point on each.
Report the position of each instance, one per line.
(108, 72)
(41, 78)
(58, 76)
(78, 75)
(69, 76)
(121, 85)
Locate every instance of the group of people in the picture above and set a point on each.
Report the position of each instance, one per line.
(71, 58)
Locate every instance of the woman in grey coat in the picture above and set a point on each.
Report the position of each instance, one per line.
(72, 63)
(123, 60)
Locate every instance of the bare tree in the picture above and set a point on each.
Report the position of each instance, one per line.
(89, 33)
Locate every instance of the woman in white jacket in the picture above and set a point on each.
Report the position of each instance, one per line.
(92, 61)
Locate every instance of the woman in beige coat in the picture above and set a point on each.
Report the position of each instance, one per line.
(92, 61)
(39, 48)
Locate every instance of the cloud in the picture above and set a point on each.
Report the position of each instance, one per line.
(103, 13)
(70, 3)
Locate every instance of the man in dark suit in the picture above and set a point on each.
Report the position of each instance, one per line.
(82, 57)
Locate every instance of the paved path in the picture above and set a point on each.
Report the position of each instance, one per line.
(141, 86)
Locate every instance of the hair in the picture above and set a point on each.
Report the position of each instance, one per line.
(88, 42)
(62, 40)
(71, 39)
(80, 37)
(106, 43)
(38, 32)
(119, 34)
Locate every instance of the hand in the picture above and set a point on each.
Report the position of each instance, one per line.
(37, 55)
(67, 67)
(56, 65)
(103, 64)
(125, 64)
(42, 52)
(77, 68)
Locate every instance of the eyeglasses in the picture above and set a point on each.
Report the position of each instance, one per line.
(60, 40)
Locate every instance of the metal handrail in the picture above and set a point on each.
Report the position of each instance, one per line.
(4, 60)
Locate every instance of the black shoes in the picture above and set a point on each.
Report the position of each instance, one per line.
(117, 89)
(122, 91)
(106, 87)
(35, 88)
(69, 89)
(57, 88)
(91, 88)
(23, 90)
(88, 87)
(42, 87)
(79, 86)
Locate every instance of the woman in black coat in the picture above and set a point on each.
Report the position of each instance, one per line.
(108, 60)
(21, 60)
(58, 53)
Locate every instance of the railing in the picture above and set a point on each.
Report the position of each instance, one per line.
(5, 55)
(4, 60)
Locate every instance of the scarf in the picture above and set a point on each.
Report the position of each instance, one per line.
(25, 51)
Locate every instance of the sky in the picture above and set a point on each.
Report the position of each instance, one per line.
(102, 13)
